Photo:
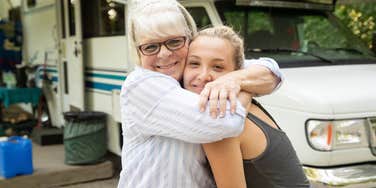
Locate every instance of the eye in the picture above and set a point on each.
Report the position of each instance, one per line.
(175, 43)
(218, 68)
(148, 48)
(193, 63)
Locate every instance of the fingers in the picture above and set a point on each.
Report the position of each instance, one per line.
(213, 103)
(222, 102)
(204, 95)
(232, 97)
(216, 94)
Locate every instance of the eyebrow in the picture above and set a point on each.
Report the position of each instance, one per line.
(194, 56)
(218, 59)
(198, 57)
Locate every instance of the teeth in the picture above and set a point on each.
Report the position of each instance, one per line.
(166, 66)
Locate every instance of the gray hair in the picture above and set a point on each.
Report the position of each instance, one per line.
(156, 19)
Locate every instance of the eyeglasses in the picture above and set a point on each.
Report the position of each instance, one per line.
(154, 48)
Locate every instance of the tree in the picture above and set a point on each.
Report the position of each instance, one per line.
(359, 17)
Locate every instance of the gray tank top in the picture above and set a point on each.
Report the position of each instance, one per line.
(278, 166)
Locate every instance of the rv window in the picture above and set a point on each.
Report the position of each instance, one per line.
(31, 3)
(72, 20)
(102, 18)
(62, 16)
(200, 16)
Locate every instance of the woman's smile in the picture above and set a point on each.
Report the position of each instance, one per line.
(167, 66)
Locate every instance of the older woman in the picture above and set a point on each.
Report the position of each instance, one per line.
(162, 123)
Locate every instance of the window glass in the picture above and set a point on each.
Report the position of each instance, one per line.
(31, 3)
(255, 27)
(320, 32)
(200, 16)
(72, 19)
(62, 16)
(102, 18)
(236, 20)
(306, 38)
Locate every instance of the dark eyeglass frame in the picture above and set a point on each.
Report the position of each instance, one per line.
(159, 44)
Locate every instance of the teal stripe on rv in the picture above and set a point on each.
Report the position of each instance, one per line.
(102, 86)
(108, 76)
(91, 84)
(51, 70)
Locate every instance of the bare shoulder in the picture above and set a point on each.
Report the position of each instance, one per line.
(252, 141)
(255, 110)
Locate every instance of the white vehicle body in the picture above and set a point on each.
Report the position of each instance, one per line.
(92, 69)
(93, 86)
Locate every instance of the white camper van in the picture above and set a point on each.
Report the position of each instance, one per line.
(327, 105)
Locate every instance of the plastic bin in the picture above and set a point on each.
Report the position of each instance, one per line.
(84, 137)
(16, 157)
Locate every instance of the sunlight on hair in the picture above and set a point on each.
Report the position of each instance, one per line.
(156, 19)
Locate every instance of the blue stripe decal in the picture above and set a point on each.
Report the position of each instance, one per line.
(114, 77)
(102, 86)
(94, 85)
(54, 78)
(51, 70)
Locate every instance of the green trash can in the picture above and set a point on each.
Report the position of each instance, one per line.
(84, 137)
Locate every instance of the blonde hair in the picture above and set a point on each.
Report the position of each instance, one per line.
(227, 33)
(156, 19)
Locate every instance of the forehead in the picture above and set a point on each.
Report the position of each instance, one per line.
(211, 47)
(159, 26)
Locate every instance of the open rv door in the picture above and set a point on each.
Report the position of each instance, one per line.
(71, 56)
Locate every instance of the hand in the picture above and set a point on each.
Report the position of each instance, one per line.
(224, 88)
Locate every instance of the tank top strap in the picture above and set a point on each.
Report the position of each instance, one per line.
(255, 118)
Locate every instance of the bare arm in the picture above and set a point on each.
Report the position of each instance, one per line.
(226, 162)
(245, 99)
(257, 80)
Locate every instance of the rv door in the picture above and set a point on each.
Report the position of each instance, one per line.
(73, 67)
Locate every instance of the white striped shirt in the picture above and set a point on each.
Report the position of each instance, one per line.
(162, 132)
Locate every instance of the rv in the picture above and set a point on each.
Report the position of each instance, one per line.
(326, 105)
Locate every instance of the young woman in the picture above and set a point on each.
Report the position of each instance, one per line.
(162, 124)
(262, 155)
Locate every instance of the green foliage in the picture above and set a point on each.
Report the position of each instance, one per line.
(319, 30)
(235, 19)
(360, 19)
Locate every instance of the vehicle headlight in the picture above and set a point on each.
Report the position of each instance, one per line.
(328, 135)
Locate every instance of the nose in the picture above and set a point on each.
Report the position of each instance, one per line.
(205, 76)
(164, 52)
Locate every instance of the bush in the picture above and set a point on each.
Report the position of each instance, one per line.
(359, 18)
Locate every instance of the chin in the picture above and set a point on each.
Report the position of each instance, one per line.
(195, 90)
(177, 77)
